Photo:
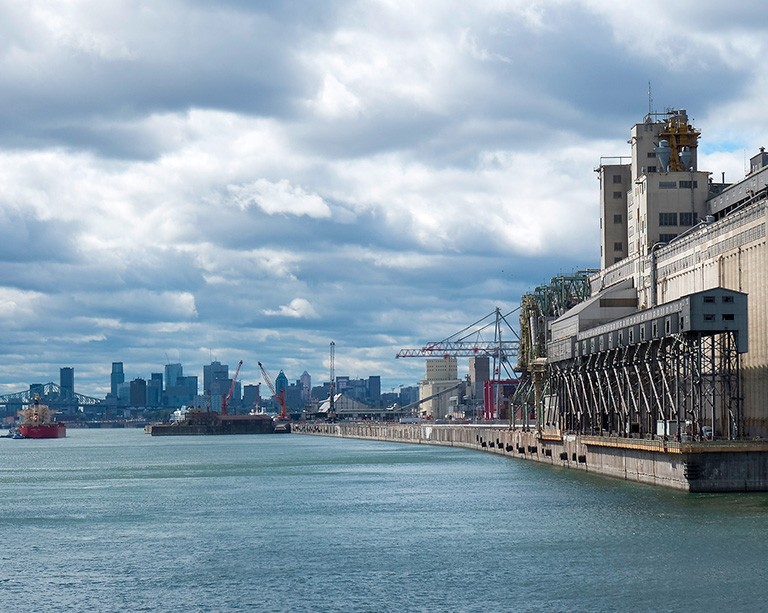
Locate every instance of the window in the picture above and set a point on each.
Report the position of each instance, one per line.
(667, 184)
(617, 179)
(689, 184)
(618, 246)
(616, 195)
(667, 219)
(688, 219)
(666, 238)
(651, 169)
(728, 317)
(617, 218)
(727, 298)
(651, 155)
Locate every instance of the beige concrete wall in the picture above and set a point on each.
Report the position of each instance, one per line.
(731, 253)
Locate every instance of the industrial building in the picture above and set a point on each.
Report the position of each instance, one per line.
(673, 339)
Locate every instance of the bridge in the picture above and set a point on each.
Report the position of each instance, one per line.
(48, 392)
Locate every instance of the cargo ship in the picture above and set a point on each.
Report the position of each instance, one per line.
(37, 421)
(208, 422)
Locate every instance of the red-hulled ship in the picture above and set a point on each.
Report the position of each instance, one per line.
(37, 422)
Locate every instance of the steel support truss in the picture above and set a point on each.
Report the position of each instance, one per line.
(684, 386)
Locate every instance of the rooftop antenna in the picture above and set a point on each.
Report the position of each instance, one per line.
(650, 99)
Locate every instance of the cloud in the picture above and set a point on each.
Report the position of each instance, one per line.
(278, 197)
(250, 181)
(299, 308)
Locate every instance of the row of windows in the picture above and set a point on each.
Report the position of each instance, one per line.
(678, 184)
(686, 219)
(617, 179)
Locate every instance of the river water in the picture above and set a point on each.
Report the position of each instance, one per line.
(116, 520)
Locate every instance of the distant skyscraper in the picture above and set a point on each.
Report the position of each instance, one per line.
(117, 378)
(155, 390)
(479, 372)
(67, 383)
(251, 398)
(281, 382)
(172, 374)
(306, 387)
(138, 393)
(215, 371)
(374, 388)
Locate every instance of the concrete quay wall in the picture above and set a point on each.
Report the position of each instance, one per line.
(711, 466)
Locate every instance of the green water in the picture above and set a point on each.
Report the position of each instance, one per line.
(115, 520)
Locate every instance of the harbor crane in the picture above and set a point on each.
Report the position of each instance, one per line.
(280, 397)
(225, 399)
(469, 342)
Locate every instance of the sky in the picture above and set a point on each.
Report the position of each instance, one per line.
(188, 181)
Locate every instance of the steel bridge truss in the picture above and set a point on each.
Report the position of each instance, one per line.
(678, 386)
(48, 392)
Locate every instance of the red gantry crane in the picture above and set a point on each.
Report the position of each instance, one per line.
(280, 397)
(225, 399)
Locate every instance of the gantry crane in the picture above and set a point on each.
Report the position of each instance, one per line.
(225, 399)
(280, 397)
(469, 343)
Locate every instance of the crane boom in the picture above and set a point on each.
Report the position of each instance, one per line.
(280, 397)
(225, 399)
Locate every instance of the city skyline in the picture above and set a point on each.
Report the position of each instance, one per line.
(251, 181)
(67, 379)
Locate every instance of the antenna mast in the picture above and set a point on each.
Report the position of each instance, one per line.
(650, 100)
(331, 412)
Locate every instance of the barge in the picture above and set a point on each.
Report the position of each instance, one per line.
(198, 423)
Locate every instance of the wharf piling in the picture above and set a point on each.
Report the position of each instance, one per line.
(696, 466)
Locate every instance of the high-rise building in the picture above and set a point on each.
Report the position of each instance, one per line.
(183, 393)
(67, 383)
(215, 371)
(172, 374)
(306, 387)
(374, 389)
(155, 390)
(138, 393)
(117, 378)
(251, 397)
(281, 382)
(479, 373)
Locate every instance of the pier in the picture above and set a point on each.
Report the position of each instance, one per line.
(696, 466)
